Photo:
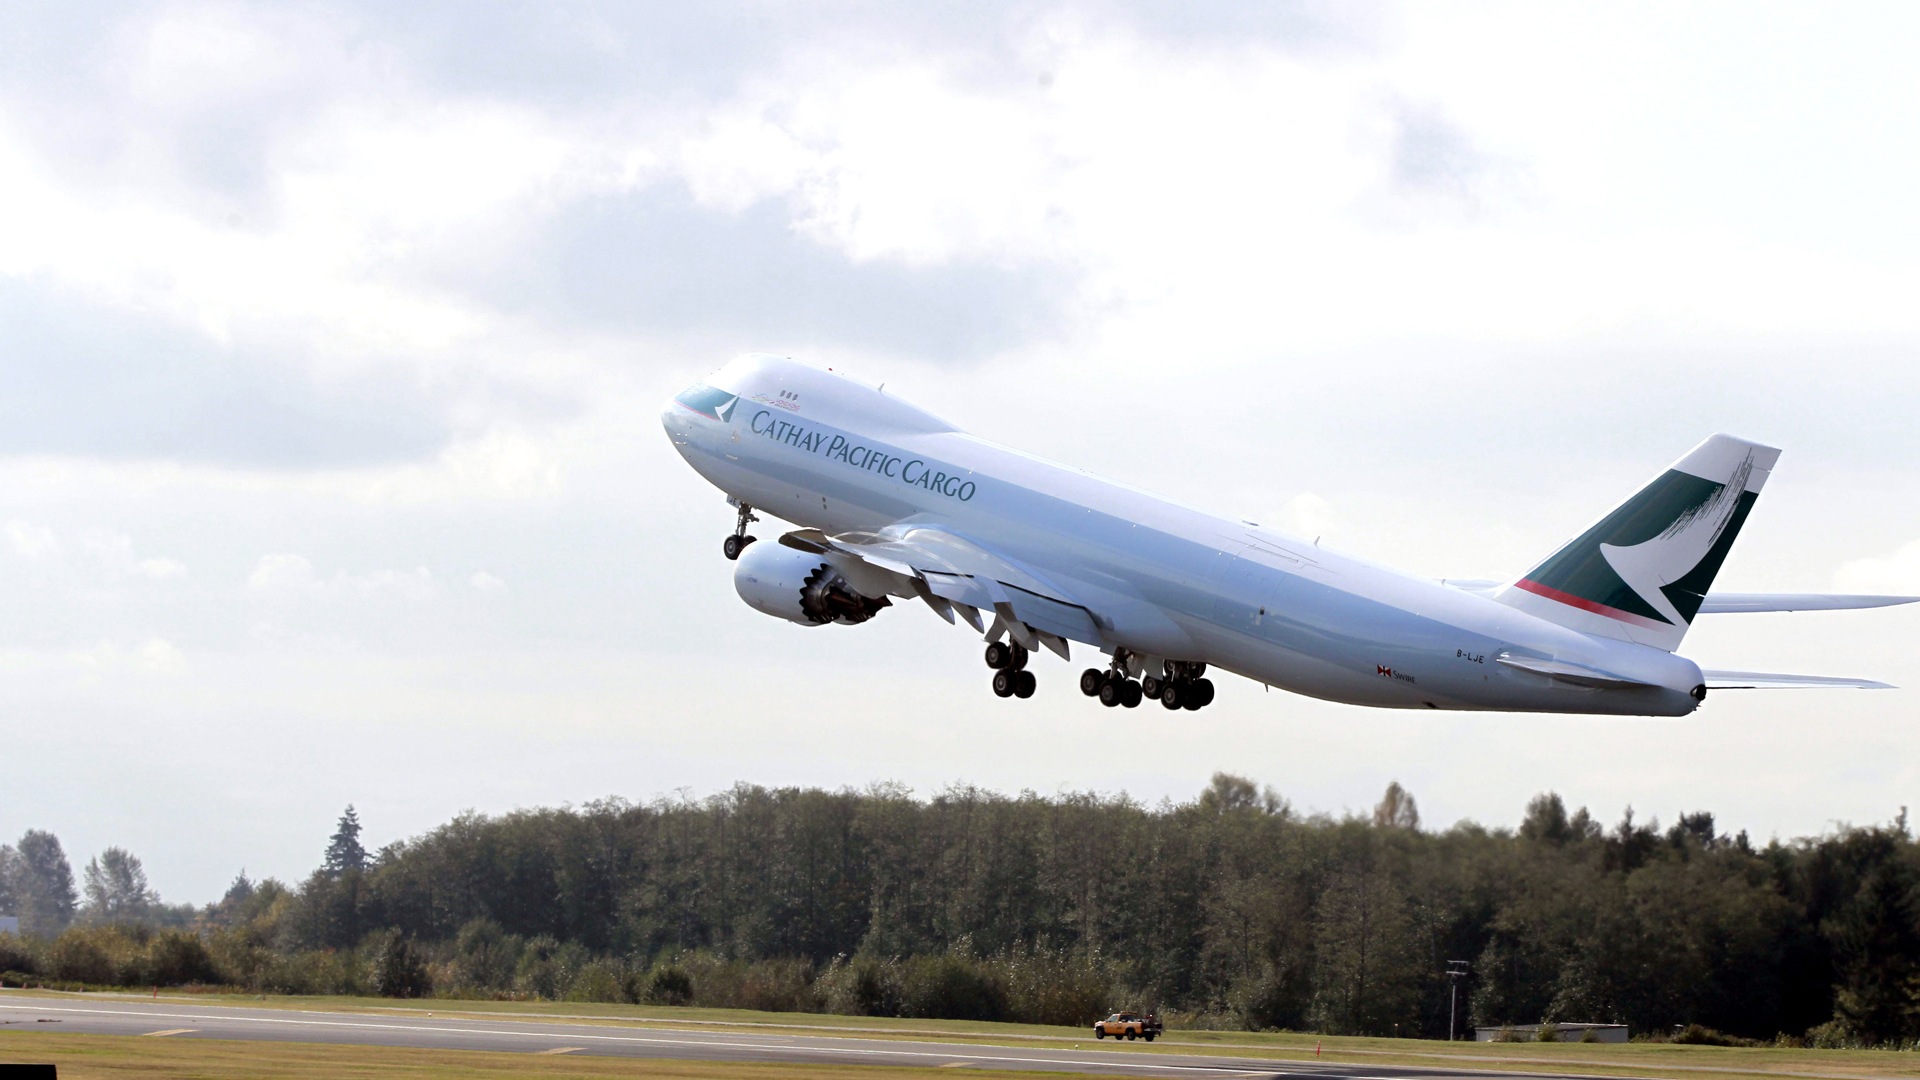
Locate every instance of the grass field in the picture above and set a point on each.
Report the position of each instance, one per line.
(1631, 1060)
(120, 1057)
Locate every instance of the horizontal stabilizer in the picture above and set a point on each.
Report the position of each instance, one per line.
(1574, 674)
(1717, 603)
(1760, 680)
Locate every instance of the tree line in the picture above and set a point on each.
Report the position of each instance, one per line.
(1231, 909)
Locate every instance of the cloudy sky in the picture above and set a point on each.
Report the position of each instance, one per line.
(333, 338)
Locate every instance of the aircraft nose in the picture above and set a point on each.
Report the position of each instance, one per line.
(678, 424)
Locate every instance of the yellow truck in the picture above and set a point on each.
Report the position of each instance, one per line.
(1126, 1025)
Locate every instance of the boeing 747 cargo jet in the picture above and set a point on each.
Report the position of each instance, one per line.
(897, 504)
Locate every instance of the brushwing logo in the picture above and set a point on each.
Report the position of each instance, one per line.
(709, 402)
(1650, 562)
(1648, 567)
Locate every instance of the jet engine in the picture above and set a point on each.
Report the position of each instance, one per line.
(800, 587)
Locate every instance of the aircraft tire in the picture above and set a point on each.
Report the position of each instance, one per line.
(1203, 692)
(1110, 693)
(732, 548)
(1024, 684)
(999, 656)
(1003, 683)
(1019, 653)
(1090, 681)
(1170, 695)
(1150, 686)
(1131, 694)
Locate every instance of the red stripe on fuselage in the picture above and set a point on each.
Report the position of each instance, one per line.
(1584, 604)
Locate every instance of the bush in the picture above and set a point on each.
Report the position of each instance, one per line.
(16, 957)
(951, 987)
(666, 985)
(486, 957)
(317, 971)
(399, 969)
(1548, 1032)
(601, 981)
(1700, 1035)
(539, 971)
(1048, 986)
(78, 956)
(862, 986)
(176, 958)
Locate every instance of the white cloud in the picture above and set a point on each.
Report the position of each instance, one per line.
(486, 582)
(285, 577)
(31, 541)
(282, 576)
(1898, 573)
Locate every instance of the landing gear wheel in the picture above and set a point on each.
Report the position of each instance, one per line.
(734, 545)
(999, 656)
(1003, 683)
(1024, 684)
(1132, 694)
(1020, 654)
(1111, 693)
(1150, 686)
(1170, 695)
(1091, 680)
(1203, 692)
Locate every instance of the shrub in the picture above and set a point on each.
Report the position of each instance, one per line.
(951, 987)
(600, 980)
(1700, 1035)
(485, 957)
(1048, 986)
(78, 956)
(538, 972)
(399, 969)
(176, 958)
(667, 985)
(1548, 1032)
(862, 986)
(15, 956)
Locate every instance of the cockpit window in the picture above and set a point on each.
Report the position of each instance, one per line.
(709, 402)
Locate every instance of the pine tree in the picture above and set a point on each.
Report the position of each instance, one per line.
(344, 852)
(43, 883)
(116, 887)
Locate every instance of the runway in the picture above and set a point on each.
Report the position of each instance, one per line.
(97, 1016)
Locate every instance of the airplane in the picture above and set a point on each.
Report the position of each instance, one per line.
(894, 503)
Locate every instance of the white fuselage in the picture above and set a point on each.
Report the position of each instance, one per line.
(1165, 580)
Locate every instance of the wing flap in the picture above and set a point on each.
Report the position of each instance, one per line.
(950, 572)
(1760, 680)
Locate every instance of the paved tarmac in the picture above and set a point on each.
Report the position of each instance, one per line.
(166, 1019)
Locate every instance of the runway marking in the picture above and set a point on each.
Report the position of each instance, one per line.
(560, 1050)
(956, 1064)
(169, 1031)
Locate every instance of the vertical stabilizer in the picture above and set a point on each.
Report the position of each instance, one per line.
(1640, 573)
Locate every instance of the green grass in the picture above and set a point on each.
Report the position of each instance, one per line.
(121, 1057)
(1631, 1060)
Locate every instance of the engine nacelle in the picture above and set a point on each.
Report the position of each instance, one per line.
(799, 587)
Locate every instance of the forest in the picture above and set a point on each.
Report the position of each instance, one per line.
(1229, 910)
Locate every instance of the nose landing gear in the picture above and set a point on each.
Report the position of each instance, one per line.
(738, 542)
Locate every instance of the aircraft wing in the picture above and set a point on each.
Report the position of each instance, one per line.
(954, 574)
(1726, 602)
(1758, 680)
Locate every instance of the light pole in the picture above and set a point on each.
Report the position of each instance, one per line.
(1456, 970)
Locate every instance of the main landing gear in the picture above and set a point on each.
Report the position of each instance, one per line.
(738, 542)
(1010, 675)
(1181, 685)
(1113, 687)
